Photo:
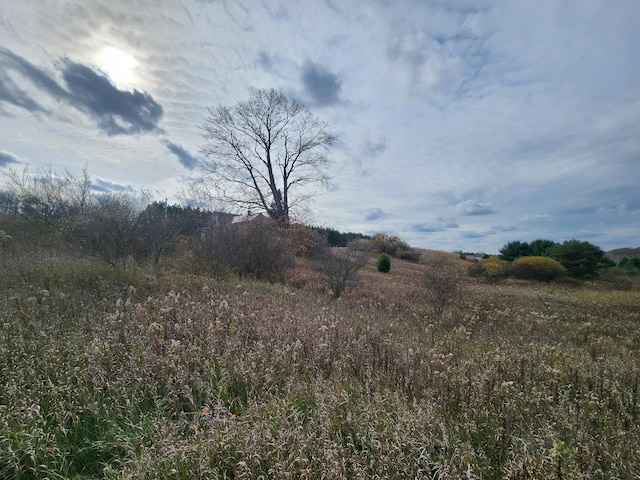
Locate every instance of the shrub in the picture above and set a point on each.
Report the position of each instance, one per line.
(257, 248)
(492, 267)
(108, 230)
(443, 283)
(384, 263)
(339, 268)
(360, 244)
(409, 254)
(389, 244)
(543, 269)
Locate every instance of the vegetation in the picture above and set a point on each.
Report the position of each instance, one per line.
(490, 267)
(339, 268)
(537, 268)
(260, 154)
(171, 371)
(388, 244)
(383, 263)
(630, 265)
(336, 238)
(443, 282)
(581, 259)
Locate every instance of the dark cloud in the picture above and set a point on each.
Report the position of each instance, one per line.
(116, 111)
(103, 186)
(265, 61)
(11, 93)
(323, 86)
(374, 214)
(7, 158)
(474, 234)
(186, 159)
(473, 208)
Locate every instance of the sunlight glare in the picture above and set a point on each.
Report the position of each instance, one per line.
(118, 65)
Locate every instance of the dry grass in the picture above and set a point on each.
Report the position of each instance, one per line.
(174, 376)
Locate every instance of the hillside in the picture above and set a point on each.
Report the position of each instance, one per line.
(619, 253)
(161, 373)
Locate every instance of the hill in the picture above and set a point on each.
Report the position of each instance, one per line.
(619, 253)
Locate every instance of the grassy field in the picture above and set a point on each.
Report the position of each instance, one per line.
(167, 375)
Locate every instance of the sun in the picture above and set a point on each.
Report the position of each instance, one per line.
(118, 65)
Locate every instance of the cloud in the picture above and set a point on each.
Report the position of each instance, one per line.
(7, 158)
(473, 208)
(186, 159)
(323, 86)
(375, 149)
(475, 234)
(116, 111)
(439, 225)
(369, 152)
(11, 93)
(103, 186)
(537, 219)
(375, 213)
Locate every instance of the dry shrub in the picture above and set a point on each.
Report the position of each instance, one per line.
(339, 267)
(257, 248)
(492, 268)
(443, 281)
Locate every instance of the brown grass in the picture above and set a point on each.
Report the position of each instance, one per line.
(143, 374)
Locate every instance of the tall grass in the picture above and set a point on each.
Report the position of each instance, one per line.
(109, 374)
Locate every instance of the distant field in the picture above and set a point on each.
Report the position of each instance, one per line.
(168, 375)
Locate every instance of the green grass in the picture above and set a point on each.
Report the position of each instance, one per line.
(157, 375)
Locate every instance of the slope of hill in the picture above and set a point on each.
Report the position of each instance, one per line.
(619, 253)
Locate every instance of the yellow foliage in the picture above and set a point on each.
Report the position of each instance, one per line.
(493, 267)
(537, 268)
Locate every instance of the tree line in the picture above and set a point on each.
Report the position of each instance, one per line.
(580, 259)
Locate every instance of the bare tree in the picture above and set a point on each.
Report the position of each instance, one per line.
(45, 195)
(262, 152)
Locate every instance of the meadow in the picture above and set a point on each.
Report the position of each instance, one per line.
(166, 374)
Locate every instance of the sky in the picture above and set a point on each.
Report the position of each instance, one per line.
(462, 124)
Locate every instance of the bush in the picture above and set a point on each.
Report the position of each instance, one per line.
(389, 244)
(384, 263)
(443, 283)
(543, 269)
(360, 245)
(492, 267)
(408, 254)
(257, 248)
(339, 268)
(109, 228)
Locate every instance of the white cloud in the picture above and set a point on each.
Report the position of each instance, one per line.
(480, 113)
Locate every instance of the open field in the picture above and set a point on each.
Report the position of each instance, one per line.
(168, 375)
